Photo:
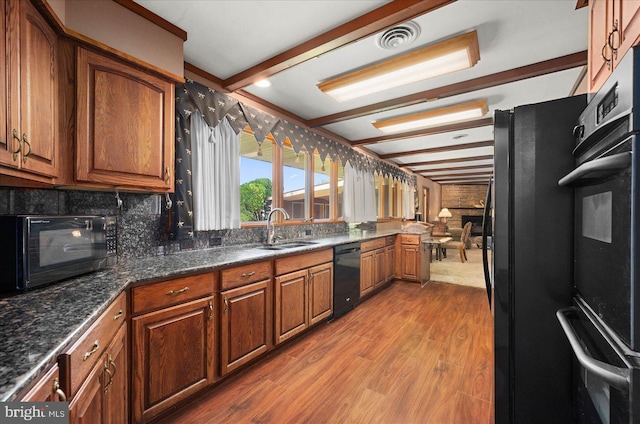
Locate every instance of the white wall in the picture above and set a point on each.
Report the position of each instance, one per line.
(118, 27)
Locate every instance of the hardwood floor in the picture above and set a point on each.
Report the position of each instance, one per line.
(407, 355)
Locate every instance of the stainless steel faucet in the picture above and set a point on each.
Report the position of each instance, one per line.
(270, 228)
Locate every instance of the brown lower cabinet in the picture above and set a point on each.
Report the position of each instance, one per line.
(103, 397)
(172, 356)
(245, 324)
(46, 389)
(304, 296)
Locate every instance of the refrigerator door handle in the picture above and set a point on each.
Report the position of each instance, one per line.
(617, 377)
(485, 233)
(604, 166)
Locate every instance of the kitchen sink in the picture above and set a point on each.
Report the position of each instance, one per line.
(286, 245)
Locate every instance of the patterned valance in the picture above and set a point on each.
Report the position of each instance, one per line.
(214, 106)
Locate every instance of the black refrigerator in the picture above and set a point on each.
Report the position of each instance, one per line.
(532, 260)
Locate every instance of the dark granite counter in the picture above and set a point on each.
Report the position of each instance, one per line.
(39, 324)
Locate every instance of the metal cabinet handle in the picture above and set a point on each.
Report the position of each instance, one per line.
(108, 372)
(15, 135)
(606, 59)
(174, 292)
(614, 30)
(58, 390)
(96, 346)
(210, 311)
(118, 315)
(26, 143)
(226, 305)
(167, 175)
(248, 274)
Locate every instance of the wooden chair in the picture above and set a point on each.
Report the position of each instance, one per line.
(460, 245)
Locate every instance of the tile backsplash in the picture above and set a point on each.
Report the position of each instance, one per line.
(143, 220)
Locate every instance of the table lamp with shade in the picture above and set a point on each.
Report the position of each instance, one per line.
(444, 214)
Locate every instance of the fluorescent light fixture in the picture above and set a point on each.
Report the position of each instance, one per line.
(263, 83)
(434, 117)
(453, 54)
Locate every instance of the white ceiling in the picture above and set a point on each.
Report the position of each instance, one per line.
(228, 37)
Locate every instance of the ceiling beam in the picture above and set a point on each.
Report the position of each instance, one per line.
(441, 149)
(470, 182)
(457, 176)
(427, 131)
(386, 16)
(453, 168)
(529, 71)
(441, 161)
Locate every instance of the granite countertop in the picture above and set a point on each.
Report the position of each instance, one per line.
(40, 323)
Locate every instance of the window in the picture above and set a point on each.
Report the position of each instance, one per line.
(273, 176)
(322, 187)
(340, 183)
(294, 182)
(256, 177)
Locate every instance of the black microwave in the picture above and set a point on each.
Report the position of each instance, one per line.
(36, 250)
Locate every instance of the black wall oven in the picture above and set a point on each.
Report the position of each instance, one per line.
(603, 325)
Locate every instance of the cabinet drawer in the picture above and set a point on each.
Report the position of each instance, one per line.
(409, 239)
(390, 240)
(171, 292)
(373, 244)
(302, 261)
(245, 274)
(77, 361)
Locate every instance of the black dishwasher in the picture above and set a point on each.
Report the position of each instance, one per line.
(346, 278)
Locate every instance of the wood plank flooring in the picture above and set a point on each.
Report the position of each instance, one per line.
(407, 355)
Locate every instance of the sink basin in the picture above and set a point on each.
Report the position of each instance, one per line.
(286, 245)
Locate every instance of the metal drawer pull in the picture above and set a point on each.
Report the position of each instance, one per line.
(248, 274)
(58, 390)
(174, 292)
(210, 311)
(118, 315)
(96, 346)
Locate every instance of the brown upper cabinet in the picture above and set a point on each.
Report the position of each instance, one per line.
(28, 143)
(614, 27)
(124, 125)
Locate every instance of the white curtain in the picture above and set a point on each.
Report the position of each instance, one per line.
(216, 175)
(408, 202)
(359, 195)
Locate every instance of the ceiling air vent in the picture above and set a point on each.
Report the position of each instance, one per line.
(398, 36)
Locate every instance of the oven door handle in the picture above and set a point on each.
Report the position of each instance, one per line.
(617, 377)
(607, 165)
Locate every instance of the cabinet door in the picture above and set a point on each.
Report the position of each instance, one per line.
(246, 324)
(124, 125)
(627, 16)
(320, 292)
(172, 356)
(87, 406)
(410, 262)
(116, 392)
(389, 262)
(47, 389)
(600, 22)
(366, 272)
(379, 268)
(291, 305)
(29, 86)
(38, 92)
(7, 144)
